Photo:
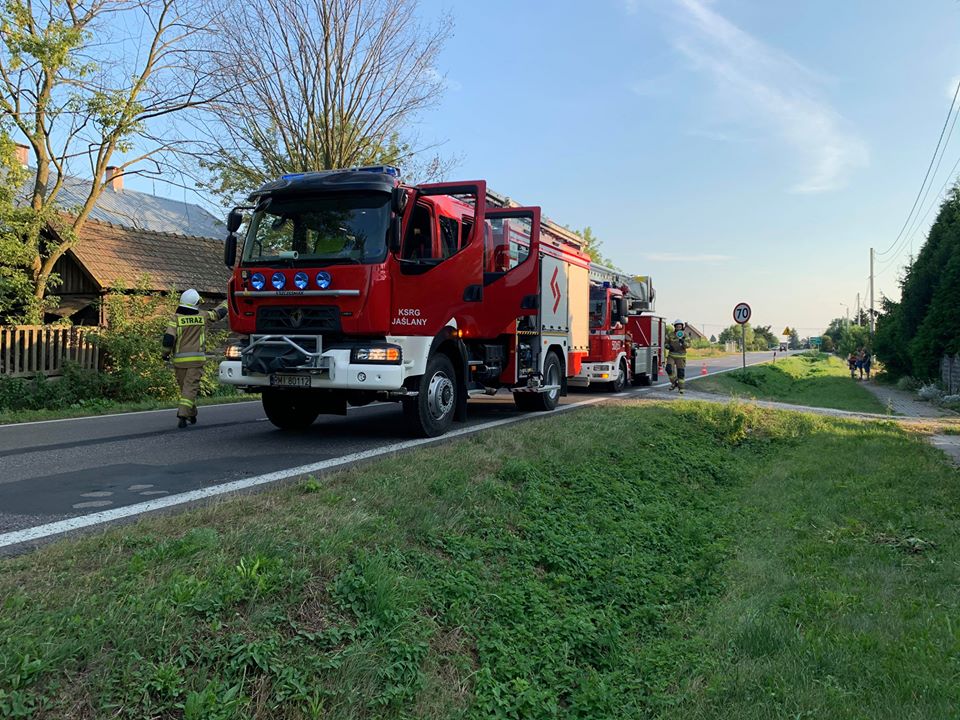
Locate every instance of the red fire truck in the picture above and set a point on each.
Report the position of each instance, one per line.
(626, 337)
(352, 287)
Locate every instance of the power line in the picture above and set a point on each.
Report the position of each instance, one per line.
(926, 176)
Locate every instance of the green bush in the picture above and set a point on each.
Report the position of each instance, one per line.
(908, 383)
(133, 369)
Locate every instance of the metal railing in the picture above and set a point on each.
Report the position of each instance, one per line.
(29, 350)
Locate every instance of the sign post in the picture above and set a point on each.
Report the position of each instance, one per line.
(741, 315)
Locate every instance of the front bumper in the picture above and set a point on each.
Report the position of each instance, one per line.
(336, 372)
(593, 372)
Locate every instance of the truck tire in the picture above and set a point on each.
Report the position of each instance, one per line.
(289, 409)
(543, 401)
(431, 411)
(621, 382)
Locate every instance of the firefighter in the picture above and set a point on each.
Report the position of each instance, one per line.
(186, 340)
(677, 344)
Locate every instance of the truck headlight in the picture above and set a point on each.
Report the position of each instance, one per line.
(384, 354)
(233, 352)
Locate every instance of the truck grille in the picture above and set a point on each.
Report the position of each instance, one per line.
(321, 319)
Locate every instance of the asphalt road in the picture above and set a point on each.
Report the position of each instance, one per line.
(56, 470)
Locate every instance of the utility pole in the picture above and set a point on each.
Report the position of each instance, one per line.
(858, 309)
(871, 294)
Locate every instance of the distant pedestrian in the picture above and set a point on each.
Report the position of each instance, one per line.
(867, 361)
(852, 364)
(186, 341)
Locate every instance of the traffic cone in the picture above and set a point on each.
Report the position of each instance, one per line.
(703, 369)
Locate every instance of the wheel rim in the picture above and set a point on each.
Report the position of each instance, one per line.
(440, 395)
(622, 376)
(553, 378)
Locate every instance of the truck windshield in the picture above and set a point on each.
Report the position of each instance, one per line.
(598, 307)
(341, 228)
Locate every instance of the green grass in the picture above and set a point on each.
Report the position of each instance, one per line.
(814, 379)
(705, 561)
(100, 406)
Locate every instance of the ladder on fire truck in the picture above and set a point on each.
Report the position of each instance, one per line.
(639, 288)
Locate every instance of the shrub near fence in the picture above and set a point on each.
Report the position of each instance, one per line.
(30, 350)
(950, 374)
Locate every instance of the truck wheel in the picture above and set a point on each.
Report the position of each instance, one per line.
(621, 382)
(290, 410)
(431, 411)
(543, 401)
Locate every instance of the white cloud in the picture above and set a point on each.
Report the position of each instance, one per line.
(759, 84)
(683, 257)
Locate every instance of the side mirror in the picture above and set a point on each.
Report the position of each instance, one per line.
(234, 220)
(398, 200)
(230, 250)
(396, 233)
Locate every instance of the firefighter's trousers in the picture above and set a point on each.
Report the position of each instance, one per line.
(188, 380)
(678, 368)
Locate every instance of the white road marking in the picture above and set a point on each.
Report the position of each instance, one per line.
(98, 493)
(155, 492)
(56, 528)
(137, 488)
(39, 532)
(91, 504)
(120, 414)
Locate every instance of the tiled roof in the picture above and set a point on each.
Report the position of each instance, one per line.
(142, 211)
(115, 255)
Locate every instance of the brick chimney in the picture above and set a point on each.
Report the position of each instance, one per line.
(23, 154)
(114, 178)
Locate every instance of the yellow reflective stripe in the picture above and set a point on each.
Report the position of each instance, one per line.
(187, 403)
(188, 358)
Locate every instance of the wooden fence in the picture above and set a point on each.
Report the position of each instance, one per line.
(950, 374)
(29, 350)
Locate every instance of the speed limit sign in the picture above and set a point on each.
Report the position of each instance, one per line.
(741, 313)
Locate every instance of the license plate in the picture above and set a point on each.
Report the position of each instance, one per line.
(289, 381)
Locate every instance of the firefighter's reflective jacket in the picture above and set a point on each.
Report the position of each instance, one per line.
(186, 335)
(677, 347)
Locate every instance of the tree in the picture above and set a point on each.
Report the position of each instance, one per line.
(914, 334)
(592, 246)
(794, 339)
(75, 92)
(735, 334)
(320, 84)
(835, 330)
(764, 338)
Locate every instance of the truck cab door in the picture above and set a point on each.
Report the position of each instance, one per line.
(436, 282)
(511, 281)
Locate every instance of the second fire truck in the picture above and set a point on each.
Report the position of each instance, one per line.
(352, 287)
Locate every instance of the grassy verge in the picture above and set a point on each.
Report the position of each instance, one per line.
(714, 561)
(840, 600)
(108, 407)
(815, 379)
(708, 353)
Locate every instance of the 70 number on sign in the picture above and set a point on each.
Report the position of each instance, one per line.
(741, 314)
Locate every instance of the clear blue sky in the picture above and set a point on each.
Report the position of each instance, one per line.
(735, 150)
